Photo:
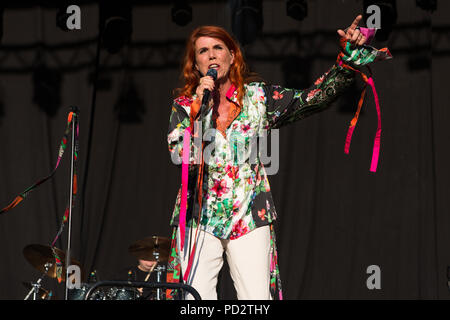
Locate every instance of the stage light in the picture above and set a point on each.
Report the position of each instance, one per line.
(388, 16)
(115, 25)
(181, 12)
(47, 89)
(427, 5)
(297, 9)
(247, 19)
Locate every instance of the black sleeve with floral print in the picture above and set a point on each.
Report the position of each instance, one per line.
(178, 122)
(179, 119)
(284, 106)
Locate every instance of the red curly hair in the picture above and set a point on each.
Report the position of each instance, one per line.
(238, 73)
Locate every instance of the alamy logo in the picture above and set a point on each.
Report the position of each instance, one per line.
(73, 277)
(374, 280)
(374, 20)
(238, 150)
(74, 19)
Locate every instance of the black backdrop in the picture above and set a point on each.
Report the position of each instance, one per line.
(335, 217)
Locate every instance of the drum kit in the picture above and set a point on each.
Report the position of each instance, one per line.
(42, 258)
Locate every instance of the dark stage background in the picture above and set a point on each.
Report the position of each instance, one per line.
(335, 217)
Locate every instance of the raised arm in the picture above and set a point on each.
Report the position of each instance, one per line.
(285, 105)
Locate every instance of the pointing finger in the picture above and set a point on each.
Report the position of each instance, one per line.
(355, 24)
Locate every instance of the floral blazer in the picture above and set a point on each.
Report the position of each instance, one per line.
(236, 194)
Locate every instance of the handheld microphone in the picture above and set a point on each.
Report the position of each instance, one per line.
(206, 93)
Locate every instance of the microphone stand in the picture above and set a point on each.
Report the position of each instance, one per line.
(74, 126)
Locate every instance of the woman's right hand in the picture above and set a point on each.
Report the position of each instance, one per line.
(204, 83)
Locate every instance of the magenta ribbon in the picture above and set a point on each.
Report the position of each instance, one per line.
(184, 184)
(376, 144)
(377, 140)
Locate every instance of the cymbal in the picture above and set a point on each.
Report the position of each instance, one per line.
(153, 248)
(38, 255)
(42, 293)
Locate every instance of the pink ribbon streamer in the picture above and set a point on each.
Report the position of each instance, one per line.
(183, 200)
(377, 140)
(348, 139)
(184, 184)
(376, 144)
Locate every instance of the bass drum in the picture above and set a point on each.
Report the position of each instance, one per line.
(80, 293)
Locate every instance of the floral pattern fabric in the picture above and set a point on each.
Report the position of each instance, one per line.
(236, 193)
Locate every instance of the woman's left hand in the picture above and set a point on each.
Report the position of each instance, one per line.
(353, 34)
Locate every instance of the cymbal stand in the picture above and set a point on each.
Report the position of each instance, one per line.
(37, 285)
(159, 268)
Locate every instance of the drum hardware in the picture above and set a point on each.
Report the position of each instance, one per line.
(41, 258)
(42, 294)
(159, 269)
(122, 293)
(153, 248)
(139, 284)
(80, 293)
(36, 286)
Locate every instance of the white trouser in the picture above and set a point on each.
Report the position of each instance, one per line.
(248, 258)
